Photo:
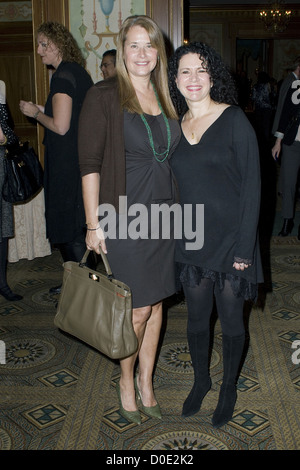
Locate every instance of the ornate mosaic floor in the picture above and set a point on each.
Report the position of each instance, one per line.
(59, 394)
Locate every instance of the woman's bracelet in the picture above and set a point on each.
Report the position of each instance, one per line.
(5, 140)
(92, 229)
(36, 114)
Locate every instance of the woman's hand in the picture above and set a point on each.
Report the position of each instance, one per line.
(240, 266)
(29, 109)
(2, 136)
(95, 239)
(276, 149)
(62, 113)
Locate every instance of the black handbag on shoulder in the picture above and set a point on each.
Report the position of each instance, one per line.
(23, 173)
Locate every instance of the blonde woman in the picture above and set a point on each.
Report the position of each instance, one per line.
(128, 131)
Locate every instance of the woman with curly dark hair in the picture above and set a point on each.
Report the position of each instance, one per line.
(65, 219)
(216, 164)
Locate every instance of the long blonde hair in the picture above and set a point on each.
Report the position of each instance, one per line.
(159, 75)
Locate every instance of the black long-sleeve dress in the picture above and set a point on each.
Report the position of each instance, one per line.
(222, 172)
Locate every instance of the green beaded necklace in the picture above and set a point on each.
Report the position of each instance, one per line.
(164, 154)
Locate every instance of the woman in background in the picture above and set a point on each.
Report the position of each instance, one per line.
(7, 136)
(64, 210)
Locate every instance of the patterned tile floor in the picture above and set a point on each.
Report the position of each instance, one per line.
(59, 394)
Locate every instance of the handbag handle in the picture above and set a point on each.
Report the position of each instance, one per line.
(104, 259)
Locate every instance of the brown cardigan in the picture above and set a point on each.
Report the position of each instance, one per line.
(101, 140)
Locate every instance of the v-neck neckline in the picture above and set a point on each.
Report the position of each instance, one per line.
(212, 124)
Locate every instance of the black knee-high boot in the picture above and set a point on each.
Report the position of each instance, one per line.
(199, 351)
(3, 262)
(233, 347)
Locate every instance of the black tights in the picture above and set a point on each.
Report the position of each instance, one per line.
(74, 251)
(200, 305)
(3, 262)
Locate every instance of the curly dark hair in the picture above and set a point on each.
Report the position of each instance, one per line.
(64, 41)
(223, 89)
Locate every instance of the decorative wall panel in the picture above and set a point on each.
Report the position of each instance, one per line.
(95, 25)
(15, 11)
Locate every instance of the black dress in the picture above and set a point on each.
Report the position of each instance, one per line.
(6, 208)
(222, 172)
(62, 181)
(145, 264)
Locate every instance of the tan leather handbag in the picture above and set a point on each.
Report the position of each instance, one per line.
(97, 309)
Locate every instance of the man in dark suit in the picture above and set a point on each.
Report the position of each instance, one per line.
(288, 142)
(286, 84)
